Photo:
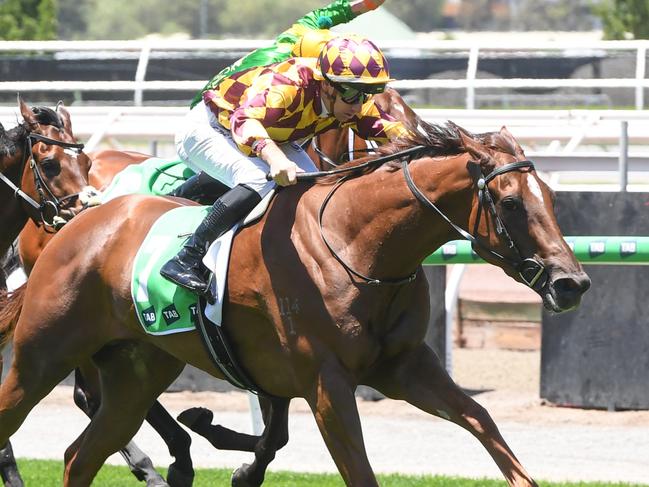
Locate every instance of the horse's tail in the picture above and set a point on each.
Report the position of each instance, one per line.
(11, 303)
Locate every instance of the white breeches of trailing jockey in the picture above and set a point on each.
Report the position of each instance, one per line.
(204, 145)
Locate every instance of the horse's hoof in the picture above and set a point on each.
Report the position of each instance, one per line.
(179, 478)
(157, 482)
(240, 477)
(12, 479)
(196, 418)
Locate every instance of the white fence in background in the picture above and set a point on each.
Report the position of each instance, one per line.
(580, 149)
(470, 83)
(553, 134)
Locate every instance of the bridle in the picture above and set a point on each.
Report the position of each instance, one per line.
(532, 272)
(47, 198)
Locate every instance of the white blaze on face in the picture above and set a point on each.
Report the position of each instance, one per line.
(534, 187)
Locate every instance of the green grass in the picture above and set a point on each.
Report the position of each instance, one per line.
(48, 473)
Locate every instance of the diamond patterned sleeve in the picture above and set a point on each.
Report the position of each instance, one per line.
(258, 110)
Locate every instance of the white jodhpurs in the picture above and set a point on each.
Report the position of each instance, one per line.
(204, 145)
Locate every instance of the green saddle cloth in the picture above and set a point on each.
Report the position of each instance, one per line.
(161, 306)
(154, 176)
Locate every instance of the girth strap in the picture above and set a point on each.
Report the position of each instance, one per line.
(220, 352)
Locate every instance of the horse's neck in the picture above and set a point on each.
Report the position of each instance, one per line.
(12, 221)
(12, 217)
(385, 231)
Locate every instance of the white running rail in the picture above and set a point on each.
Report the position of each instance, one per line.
(469, 83)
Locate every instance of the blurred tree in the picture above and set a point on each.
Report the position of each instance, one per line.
(262, 19)
(554, 15)
(479, 15)
(28, 19)
(72, 19)
(128, 19)
(419, 15)
(624, 19)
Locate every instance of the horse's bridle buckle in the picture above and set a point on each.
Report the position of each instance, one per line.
(530, 270)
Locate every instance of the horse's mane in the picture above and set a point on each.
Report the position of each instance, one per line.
(497, 142)
(11, 139)
(439, 140)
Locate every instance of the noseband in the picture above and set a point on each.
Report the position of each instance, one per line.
(47, 198)
(530, 270)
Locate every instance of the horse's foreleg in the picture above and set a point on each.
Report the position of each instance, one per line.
(419, 378)
(334, 407)
(132, 376)
(87, 398)
(181, 471)
(275, 436)
(199, 420)
(8, 468)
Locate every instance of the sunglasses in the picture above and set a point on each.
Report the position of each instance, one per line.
(351, 94)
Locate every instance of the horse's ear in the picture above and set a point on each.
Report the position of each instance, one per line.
(507, 135)
(64, 115)
(475, 148)
(28, 115)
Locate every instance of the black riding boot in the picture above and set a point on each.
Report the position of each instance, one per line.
(202, 188)
(186, 269)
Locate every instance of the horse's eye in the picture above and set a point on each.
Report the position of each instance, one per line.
(510, 203)
(51, 167)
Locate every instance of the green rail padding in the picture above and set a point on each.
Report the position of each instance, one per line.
(589, 250)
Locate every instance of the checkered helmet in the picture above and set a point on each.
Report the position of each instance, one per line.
(353, 59)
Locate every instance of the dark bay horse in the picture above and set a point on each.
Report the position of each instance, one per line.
(338, 330)
(65, 173)
(41, 188)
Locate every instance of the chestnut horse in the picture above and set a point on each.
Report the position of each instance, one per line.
(65, 173)
(341, 329)
(42, 153)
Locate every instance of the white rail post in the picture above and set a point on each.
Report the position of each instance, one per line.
(140, 73)
(624, 155)
(640, 69)
(255, 414)
(471, 70)
(450, 301)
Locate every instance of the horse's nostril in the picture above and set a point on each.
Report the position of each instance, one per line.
(577, 284)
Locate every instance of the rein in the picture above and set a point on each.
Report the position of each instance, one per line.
(47, 198)
(530, 270)
(351, 152)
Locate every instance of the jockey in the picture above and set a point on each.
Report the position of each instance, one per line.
(305, 38)
(248, 125)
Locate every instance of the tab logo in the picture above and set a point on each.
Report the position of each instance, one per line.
(628, 248)
(597, 248)
(149, 316)
(170, 314)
